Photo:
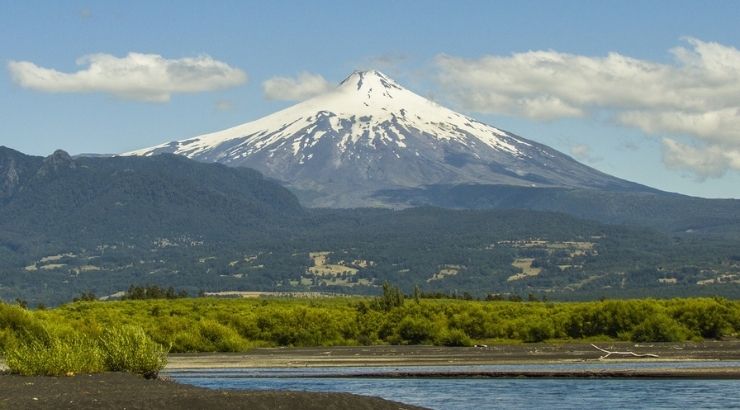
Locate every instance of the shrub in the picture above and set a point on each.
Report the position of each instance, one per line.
(55, 357)
(708, 318)
(659, 328)
(455, 337)
(128, 348)
(18, 322)
(473, 322)
(414, 330)
(534, 331)
(221, 338)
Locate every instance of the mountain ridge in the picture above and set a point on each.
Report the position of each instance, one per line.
(135, 195)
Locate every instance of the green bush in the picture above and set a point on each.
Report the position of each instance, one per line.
(58, 351)
(129, 349)
(455, 337)
(707, 318)
(659, 328)
(220, 338)
(17, 323)
(55, 356)
(414, 330)
(537, 331)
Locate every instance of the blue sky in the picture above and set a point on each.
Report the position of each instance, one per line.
(647, 91)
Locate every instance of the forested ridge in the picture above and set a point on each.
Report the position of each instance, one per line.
(72, 225)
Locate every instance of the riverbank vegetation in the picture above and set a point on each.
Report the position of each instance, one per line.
(114, 329)
(49, 346)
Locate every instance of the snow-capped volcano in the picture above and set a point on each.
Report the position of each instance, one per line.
(370, 134)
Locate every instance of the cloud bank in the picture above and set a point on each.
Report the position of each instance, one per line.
(143, 77)
(304, 86)
(694, 99)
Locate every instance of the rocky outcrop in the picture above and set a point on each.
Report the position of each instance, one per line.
(56, 162)
(15, 169)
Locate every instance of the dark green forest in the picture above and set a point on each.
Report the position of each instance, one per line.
(101, 225)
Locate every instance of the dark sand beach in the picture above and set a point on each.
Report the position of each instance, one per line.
(126, 391)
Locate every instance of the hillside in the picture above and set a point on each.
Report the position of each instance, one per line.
(673, 213)
(74, 202)
(102, 224)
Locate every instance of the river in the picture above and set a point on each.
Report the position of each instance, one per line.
(489, 393)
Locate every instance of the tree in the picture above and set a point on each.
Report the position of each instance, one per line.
(392, 297)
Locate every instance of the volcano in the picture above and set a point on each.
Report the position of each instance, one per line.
(370, 134)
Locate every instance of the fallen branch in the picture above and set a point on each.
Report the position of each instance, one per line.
(633, 354)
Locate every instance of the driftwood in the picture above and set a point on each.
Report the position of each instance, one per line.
(633, 354)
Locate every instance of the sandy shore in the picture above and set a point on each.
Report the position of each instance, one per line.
(437, 356)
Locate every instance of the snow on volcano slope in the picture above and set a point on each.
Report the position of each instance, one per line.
(370, 134)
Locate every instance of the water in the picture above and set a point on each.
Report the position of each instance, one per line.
(440, 393)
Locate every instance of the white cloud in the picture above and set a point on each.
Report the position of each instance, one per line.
(721, 126)
(695, 97)
(305, 86)
(547, 108)
(704, 162)
(145, 77)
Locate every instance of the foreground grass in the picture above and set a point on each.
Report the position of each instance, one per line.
(54, 357)
(232, 325)
(34, 347)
